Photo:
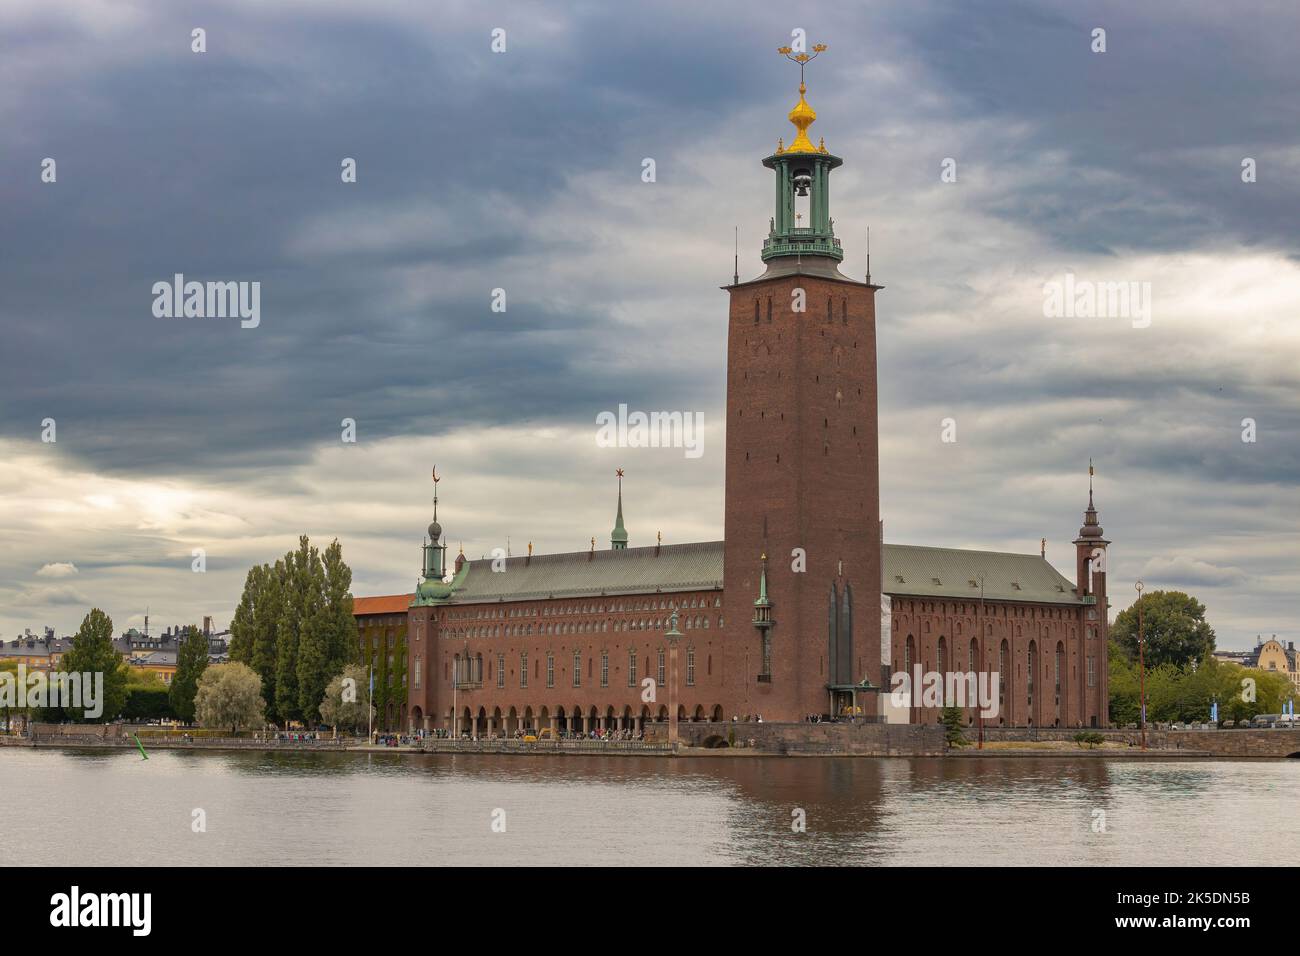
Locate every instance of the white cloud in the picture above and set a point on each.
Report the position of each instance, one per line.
(57, 569)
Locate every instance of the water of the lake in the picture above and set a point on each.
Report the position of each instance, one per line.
(98, 808)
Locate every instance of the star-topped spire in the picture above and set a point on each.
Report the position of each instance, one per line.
(618, 537)
(803, 115)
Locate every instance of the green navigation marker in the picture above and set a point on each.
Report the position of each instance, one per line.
(141, 746)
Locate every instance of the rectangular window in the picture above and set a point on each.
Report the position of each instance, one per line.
(631, 668)
(550, 670)
(523, 670)
(1092, 672)
(604, 669)
(501, 671)
(418, 669)
(660, 669)
(577, 668)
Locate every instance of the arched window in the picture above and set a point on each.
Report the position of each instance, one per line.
(1004, 676)
(1029, 676)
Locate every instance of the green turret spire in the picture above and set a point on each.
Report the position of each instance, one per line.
(618, 537)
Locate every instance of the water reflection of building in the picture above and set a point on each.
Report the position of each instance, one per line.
(779, 618)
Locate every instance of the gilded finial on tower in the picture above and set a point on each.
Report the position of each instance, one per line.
(803, 115)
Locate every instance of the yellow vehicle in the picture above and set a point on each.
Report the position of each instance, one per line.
(547, 734)
(530, 737)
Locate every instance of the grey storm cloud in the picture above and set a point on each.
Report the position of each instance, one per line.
(521, 171)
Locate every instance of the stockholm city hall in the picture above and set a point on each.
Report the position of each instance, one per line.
(802, 609)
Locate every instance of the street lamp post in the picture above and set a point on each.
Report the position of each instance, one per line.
(983, 658)
(673, 636)
(1142, 672)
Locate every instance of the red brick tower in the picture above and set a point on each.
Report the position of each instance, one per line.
(802, 470)
(1090, 584)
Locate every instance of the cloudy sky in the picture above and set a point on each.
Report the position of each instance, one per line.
(521, 171)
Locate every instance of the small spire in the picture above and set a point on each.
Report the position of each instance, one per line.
(618, 537)
(1042, 547)
(868, 255)
(761, 616)
(530, 549)
(735, 269)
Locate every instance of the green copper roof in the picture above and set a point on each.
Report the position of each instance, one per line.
(948, 573)
(676, 567)
(689, 567)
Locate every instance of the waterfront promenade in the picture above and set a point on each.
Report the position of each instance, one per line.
(704, 738)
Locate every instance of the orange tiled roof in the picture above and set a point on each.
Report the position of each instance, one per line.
(388, 604)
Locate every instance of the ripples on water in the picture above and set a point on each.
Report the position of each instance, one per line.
(113, 808)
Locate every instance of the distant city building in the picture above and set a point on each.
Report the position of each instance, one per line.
(157, 653)
(1270, 655)
(41, 653)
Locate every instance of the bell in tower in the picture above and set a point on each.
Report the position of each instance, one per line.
(802, 225)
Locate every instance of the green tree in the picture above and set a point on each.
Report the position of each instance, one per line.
(92, 652)
(1123, 685)
(230, 695)
(1174, 629)
(315, 666)
(16, 705)
(339, 621)
(147, 703)
(294, 627)
(952, 729)
(289, 630)
(191, 662)
(351, 714)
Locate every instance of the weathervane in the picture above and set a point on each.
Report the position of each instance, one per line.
(801, 58)
(436, 479)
